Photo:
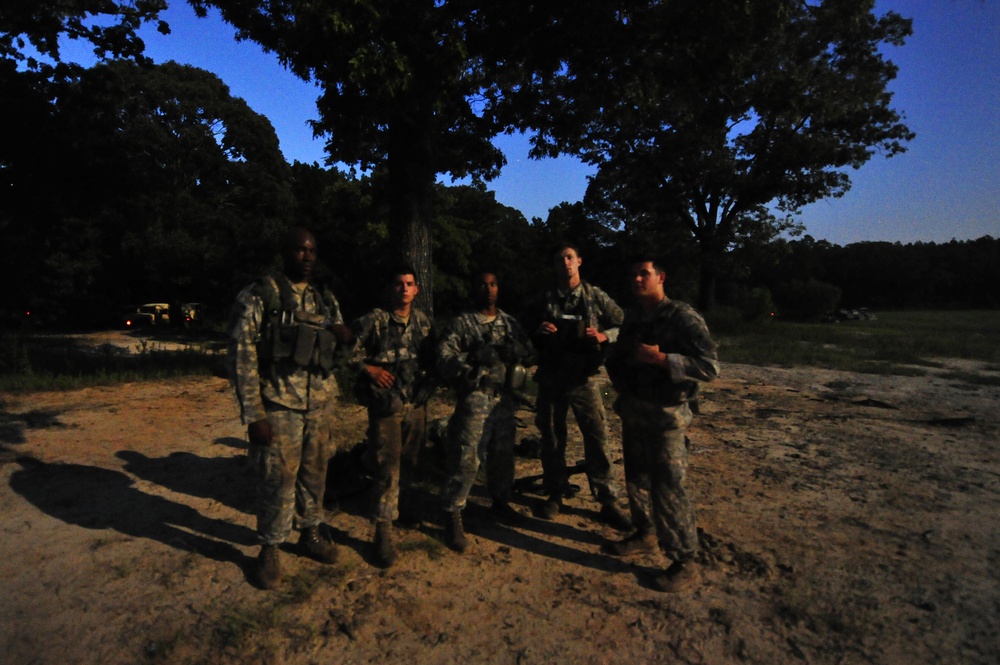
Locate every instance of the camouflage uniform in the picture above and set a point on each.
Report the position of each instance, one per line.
(474, 355)
(655, 412)
(567, 379)
(297, 400)
(395, 424)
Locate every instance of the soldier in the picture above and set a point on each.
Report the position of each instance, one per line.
(579, 321)
(393, 355)
(482, 355)
(664, 349)
(283, 334)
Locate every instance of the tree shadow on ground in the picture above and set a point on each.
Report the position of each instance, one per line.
(96, 498)
(13, 425)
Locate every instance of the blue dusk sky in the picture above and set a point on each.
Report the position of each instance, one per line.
(944, 187)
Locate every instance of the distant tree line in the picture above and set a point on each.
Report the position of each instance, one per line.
(957, 274)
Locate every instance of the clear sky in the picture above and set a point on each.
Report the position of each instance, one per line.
(945, 186)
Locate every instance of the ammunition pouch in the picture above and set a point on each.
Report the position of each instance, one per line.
(304, 345)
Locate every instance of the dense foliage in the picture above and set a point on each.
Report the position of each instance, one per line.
(141, 183)
(128, 182)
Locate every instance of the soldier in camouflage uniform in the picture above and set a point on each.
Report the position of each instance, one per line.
(482, 355)
(664, 349)
(579, 320)
(393, 356)
(283, 334)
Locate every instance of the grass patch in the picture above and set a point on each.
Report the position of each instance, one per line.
(259, 634)
(237, 626)
(31, 363)
(898, 343)
(434, 549)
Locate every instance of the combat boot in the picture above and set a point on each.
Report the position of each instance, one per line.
(268, 567)
(503, 512)
(454, 533)
(679, 577)
(315, 545)
(640, 542)
(549, 508)
(385, 550)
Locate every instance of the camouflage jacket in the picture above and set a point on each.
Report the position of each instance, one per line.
(474, 353)
(404, 348)
(680, 332)
(285, 383)
(565, 355)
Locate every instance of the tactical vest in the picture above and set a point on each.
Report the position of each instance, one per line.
(568, 357)
(287, 339)
(649, 383)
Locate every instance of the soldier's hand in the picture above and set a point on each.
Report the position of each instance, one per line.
(650, 354)
(341, 332)
(595, 335)
(380, 376)
(260, 433)
(547, 328)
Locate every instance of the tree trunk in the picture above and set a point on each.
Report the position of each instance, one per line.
(411, 185)
(708, 273)
(706, 288)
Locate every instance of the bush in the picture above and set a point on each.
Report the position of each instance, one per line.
(725, 320)
(807, 300)
(757, 305)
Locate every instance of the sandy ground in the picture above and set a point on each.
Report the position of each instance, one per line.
(845, 518)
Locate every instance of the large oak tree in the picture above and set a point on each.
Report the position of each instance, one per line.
(412, 87)
(719, 118)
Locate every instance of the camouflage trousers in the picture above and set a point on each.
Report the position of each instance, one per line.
(655, 450)
(553, 405)
(482, 429)
(292, 473)
(394, 442)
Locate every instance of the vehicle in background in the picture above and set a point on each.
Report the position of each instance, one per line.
(149, 315)
(859, 314)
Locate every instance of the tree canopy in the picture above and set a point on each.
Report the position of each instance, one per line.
(718, 118)
(151, 183)
(109, 25)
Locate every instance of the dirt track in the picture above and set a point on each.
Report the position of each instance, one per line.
(846, 519)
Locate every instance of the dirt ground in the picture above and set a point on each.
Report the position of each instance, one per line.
(846, 518)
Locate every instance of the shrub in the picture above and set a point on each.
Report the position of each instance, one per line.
(807, 300)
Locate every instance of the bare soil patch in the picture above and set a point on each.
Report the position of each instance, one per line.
(846, 518)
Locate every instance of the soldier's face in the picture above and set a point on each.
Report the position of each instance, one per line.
(568, 263)
(646, 282)
(300, 257)
(487, 290)
(404, 290)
